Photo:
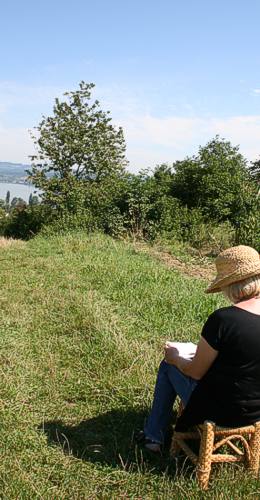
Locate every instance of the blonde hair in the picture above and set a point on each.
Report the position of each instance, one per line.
(243, 290)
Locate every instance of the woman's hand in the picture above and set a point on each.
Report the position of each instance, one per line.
(195, 367)
(170, 354)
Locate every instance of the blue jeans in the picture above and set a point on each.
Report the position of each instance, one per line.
(170, 383)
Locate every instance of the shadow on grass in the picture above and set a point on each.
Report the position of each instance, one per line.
(108, 439)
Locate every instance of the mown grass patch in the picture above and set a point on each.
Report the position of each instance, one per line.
(83, 320)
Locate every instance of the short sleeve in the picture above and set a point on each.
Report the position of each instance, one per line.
(212, 331)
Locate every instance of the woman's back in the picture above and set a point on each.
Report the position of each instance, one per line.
(229, 393)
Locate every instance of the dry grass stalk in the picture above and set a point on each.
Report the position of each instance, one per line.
(8, 242)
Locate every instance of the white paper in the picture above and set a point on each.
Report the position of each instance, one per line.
(186, 349)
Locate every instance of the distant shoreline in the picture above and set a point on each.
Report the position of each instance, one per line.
(8, 181)
(18, 190)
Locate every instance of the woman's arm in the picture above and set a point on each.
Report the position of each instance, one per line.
(197, 366)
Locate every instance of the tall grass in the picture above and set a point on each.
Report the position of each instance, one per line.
(83, 320)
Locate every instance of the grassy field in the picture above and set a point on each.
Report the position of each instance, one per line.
(83, 321)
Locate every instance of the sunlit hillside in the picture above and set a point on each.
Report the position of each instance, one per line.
(83, 320)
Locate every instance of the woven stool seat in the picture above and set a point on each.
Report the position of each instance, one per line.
(212, 439)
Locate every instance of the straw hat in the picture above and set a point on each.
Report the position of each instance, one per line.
(233, 265)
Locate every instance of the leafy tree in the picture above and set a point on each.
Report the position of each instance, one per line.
(33, 200)
(7, 200)
(146, 204)
(139, 203)
(18, 203)
(2, 211)
(254, 170)
(216, 181)
(76, 147)
(186, 184)
(163, 178)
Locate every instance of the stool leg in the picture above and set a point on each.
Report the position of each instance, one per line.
(175, 448)
(255, 450)
(205, 454)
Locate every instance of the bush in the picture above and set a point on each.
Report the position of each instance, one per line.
(114, 223)
(25, 221)
(248, 228)
(166, 213)
(67, 221)
(216, 181)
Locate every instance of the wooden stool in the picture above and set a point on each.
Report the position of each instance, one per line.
(212, 438)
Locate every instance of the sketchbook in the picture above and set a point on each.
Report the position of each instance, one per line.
(186, 349)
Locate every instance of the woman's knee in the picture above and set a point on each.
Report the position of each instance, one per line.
(166, 366)
(169, 370)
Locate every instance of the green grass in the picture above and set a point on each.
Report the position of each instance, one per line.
(83, 321)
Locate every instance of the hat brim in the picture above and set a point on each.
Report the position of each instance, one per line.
(219, 283)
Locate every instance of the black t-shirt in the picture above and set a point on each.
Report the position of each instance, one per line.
(229, 393)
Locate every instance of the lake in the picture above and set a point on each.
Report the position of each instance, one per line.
(17, 190)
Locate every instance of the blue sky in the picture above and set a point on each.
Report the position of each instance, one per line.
(172, 73)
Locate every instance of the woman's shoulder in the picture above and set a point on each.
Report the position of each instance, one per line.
(222, 312)
(216, 320)
(232, 312)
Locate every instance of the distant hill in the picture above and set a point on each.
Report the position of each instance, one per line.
(13, 172)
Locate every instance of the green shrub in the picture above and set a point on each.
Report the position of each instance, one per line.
(69, 221)
(25, 221)
(248, 228)
(114, 223)
(166, 213)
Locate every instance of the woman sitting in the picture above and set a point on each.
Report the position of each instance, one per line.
(221, 382)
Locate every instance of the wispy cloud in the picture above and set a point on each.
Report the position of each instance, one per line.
(243, 131)
(16, 92)
(151, 139)
(24, 104)
(15, 145)
(171, 132)
(21, 108)
(256, 91)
